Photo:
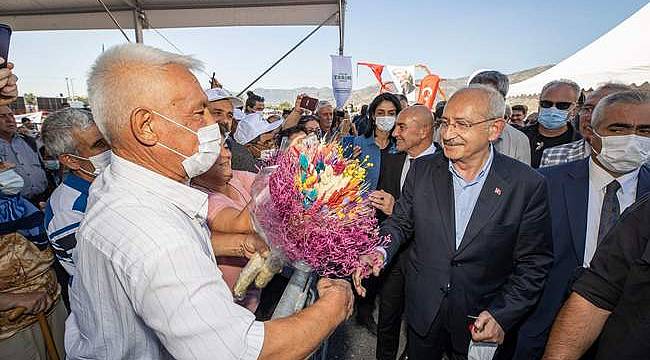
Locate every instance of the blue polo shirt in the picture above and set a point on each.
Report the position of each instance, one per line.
(63, 214)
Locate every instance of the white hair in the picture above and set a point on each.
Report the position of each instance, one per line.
(58, 127)
(630, 97)
(496, 102)
(323, 104)
(570, 83)
(121, 76)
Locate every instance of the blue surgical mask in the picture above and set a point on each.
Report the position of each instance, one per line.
(51, 164)
(552, 118)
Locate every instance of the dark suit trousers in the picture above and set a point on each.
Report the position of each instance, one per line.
(436, 342)
(391, 308)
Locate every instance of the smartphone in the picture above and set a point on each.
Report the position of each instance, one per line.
(5, 36)
(308, 103)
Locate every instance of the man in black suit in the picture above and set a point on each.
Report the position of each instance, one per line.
(481, 236)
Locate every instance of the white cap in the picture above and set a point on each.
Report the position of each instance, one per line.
(252, 126)
(221, 94)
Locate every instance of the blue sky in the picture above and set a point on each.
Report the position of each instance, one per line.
(453, 37)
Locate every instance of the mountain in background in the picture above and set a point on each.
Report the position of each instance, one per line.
(366, 94)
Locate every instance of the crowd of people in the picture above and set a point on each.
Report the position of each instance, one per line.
(124, 227)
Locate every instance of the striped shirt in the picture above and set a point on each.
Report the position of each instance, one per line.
(63, 214)
(147, 284)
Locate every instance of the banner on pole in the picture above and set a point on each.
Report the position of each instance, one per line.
(341, 78)
(428, 90)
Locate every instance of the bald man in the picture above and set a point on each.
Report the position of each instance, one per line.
(414, 134)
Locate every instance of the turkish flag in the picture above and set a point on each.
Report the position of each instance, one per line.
(428, 90)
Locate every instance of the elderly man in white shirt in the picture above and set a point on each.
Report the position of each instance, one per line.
(147, 284)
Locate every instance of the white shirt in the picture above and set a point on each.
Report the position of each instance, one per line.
(407, 163)
(147, 284)
(599, 178)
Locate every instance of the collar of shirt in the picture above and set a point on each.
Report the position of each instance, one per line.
(430, 150)
(191, 201)
(600, 178)
(481, 175)
(77, 183)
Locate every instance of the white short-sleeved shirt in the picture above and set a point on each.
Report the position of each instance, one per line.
(147, 285)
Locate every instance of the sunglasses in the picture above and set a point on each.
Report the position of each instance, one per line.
(560, 105)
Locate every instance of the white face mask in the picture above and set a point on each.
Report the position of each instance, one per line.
(623, 153)
(10, 182)
(99, 161)
(385, 123)
(209, 148)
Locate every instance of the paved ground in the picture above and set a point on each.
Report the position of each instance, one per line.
(351, 341)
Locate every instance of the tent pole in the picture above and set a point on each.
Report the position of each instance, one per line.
(341, 26)
(288, 52)
(137, 26)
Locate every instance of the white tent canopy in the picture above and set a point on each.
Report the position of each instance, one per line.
(89, 14)
(622, 55)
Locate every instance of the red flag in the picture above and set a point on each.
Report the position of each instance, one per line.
(428, 90)
(377, 69)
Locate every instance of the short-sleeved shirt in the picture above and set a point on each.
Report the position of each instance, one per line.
(619, 281)
(63, 214)
(231, 266)
(28, 165)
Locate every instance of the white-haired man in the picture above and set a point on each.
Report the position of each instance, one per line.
(147, 285)
(478, 226)
(71, 136)
(325, 113)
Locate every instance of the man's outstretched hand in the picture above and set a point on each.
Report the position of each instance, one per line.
(371, 263)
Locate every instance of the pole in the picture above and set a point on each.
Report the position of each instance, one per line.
(72, 87)
(67, 85)
(47, 336)
(137, 26)
(341, 26)
(110, 15)
(288, 52)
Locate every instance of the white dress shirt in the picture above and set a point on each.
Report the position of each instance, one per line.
(598, 181)
(407, 162)
(147, 283)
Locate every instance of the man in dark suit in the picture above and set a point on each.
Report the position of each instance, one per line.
(582, 195)
(481, 236)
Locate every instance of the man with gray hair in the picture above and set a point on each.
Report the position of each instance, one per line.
(325, 113)
(147, 284)
(511, 142)
(586, 198)
(580, 149)
(480, 231)
(557, 105)
(71, 136)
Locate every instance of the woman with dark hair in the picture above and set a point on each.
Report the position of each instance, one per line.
(254, 103)
(310, 124)
(378, 147)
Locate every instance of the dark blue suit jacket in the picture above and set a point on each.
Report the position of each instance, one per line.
(568, 186)
(502, 261)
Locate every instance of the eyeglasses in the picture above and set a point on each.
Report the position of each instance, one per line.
(560, 105)
(462, 126)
